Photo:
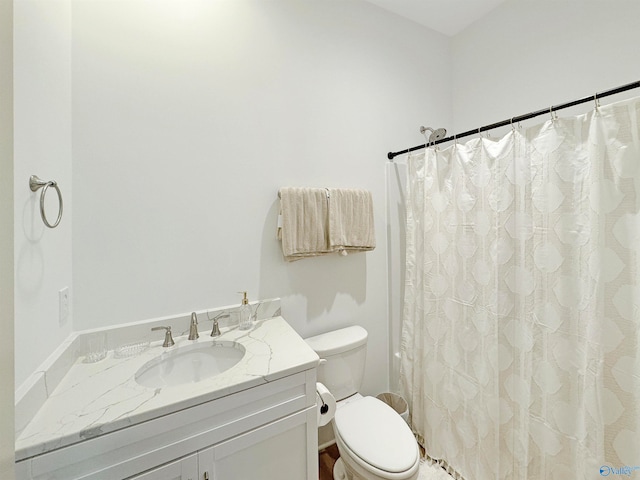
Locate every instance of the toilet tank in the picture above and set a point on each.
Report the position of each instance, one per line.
(342, 357)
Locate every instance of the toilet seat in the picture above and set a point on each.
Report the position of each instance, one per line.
(376, 436)
(364, 470)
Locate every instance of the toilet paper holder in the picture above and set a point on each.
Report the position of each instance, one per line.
(325, 404)
(324, 408)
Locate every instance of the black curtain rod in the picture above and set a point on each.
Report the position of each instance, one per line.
(520, 118)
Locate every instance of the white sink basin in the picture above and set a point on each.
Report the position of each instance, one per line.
(190, 364)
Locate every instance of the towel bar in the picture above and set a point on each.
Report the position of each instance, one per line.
(326, 189)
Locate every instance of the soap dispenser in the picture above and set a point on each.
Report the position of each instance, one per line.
(245, 314)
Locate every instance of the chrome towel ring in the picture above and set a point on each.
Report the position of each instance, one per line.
(36, 184)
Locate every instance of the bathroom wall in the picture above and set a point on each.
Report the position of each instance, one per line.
(525, 56)
(6, 239)
(42, 146)
(187, 118)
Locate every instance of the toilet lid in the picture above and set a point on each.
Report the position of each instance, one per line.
(377, 434)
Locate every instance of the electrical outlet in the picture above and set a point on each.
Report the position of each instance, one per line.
(63, 305)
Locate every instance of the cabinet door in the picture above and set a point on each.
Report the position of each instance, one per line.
(276, 451)
(184, 469)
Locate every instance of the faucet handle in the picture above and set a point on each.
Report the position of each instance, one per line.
(168, 339)
(215, 331)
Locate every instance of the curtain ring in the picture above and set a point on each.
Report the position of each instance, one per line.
(596, 101)
(36, 184)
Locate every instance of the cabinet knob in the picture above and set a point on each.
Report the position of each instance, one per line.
(205, 476)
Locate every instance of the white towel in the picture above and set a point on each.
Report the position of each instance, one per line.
(303, 226)
(351, 226)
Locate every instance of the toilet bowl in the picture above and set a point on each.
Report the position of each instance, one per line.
(374, 442)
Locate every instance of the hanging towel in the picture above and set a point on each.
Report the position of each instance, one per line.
(303, 222)
(351, 221)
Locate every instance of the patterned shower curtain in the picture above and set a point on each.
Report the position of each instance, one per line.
(521, 322)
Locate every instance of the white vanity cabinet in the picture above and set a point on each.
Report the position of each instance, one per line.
(183, 469)
(270, 452)
(266, 432)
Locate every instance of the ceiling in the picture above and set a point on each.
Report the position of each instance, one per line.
(445, 16)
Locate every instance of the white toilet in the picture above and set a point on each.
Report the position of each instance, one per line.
(374, 442)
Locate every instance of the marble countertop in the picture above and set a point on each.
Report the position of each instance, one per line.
(98, 398)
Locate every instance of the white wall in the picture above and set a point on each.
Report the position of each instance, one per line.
(188, 117)
(6, 240)
(527, 55)
(42, 103)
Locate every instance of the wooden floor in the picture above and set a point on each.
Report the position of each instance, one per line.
(326, 459)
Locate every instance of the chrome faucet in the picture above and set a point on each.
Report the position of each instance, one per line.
(215, 331)
(168, 339)
(193, 328)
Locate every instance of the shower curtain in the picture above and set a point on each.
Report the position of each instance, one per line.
(521, 321)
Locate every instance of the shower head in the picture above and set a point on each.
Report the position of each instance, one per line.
(436, 134)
